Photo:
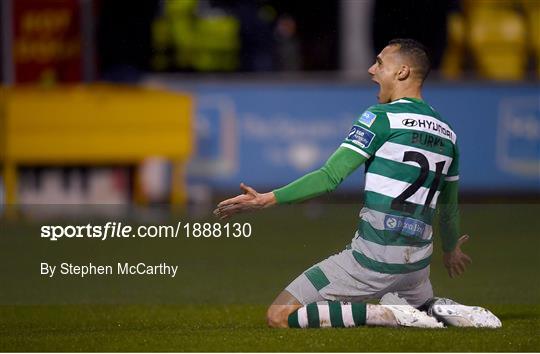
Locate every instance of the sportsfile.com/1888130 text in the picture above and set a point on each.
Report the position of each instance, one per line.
(119, 230)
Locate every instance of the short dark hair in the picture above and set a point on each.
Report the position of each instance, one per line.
(417, 52)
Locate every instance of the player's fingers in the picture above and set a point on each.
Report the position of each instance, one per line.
(226, 213)
(235, 200)
(221, 213)
(233, 209)
(458, 272)
(463, 239)
(244, 188)
(248, 189)
(216, 212)
(467, 259)
(223, 217)
(228, 208)
(221, 209)
(226, 202)
(451, 272)
(460, 268)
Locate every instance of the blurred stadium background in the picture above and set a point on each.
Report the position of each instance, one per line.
(177, 101)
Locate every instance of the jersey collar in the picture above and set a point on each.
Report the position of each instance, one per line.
(415, 100)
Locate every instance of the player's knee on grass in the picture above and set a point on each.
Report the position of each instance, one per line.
(277, 316)
(278, 313)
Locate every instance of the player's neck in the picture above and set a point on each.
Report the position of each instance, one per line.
(407, 92)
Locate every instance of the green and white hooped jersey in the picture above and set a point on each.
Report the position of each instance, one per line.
(411, 153)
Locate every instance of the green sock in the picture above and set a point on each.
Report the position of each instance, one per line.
(329, 314)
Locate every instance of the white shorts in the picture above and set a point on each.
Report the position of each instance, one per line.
(341, 278)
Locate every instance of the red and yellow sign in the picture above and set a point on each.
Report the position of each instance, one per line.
(47, 41)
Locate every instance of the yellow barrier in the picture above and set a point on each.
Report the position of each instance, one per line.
(93, 125)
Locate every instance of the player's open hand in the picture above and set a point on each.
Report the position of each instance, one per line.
(250, 200)
(456, 261)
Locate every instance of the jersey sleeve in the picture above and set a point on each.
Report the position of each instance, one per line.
(368, 133)
(449, 218)
(453, 170)
(341, 164)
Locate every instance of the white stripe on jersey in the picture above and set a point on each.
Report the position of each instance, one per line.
(395, 152)
(376, 220)
(324, 314)
(421, 122)
(451, 178)
(392, 254)
(356, 149)
(346, 313)
(393, 187)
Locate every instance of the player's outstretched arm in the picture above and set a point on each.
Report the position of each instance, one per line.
(341, 164)
(250, 200)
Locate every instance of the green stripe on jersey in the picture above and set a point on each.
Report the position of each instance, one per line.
(317, 278)
(382, 203)
(389, 268)
(387, 238)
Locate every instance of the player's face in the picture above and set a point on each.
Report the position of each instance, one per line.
(385, 72)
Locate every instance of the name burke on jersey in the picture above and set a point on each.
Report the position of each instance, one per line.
(120, 268)
(426, 140)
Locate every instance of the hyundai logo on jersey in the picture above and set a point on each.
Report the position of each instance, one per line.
(410, 122)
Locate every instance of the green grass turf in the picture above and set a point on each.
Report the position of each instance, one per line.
(218, 300)
(238, 328)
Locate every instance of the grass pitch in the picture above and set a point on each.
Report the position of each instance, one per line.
(218, 301)
(238, 328)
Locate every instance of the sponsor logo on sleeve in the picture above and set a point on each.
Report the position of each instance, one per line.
(367, 118)
(360, 136)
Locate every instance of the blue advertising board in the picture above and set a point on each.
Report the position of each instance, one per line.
(267, 135)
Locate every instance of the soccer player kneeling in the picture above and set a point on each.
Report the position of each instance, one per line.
(412, 171)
